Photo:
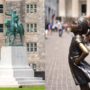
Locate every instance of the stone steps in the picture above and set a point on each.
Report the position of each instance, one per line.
(6, 82)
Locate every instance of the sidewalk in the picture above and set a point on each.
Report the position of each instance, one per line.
(58, 75)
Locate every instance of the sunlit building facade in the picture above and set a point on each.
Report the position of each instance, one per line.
(31, 13)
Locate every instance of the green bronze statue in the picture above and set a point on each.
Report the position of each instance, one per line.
(13, 27)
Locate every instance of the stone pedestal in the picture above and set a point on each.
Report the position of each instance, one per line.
(14, 68)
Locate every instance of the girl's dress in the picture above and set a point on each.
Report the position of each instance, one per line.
(81, 72)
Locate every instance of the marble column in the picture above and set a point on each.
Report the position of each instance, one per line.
(62, 8)
(88, 7)
(75, 8)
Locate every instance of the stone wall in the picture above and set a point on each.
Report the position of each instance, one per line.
(14, 5)
(39, 18)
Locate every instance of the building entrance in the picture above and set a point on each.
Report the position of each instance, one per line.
(83, 9)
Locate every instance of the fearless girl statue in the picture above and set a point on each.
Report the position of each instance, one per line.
(78, 51)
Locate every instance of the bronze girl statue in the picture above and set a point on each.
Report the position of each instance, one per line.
(78, 51)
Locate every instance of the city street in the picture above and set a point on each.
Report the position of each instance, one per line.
(58, 75)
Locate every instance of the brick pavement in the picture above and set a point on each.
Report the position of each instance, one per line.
(58, 75)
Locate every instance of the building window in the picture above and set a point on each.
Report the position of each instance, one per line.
(27, 8)
(31, 8)
(32, 47)
(31, 27)
(1, 8)
(35, 8)
(1, 27)
(83, 9)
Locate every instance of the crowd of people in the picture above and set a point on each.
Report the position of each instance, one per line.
(57, 25)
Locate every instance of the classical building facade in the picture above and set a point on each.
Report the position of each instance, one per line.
(51, 9)
(74, 8)
(31, 14)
